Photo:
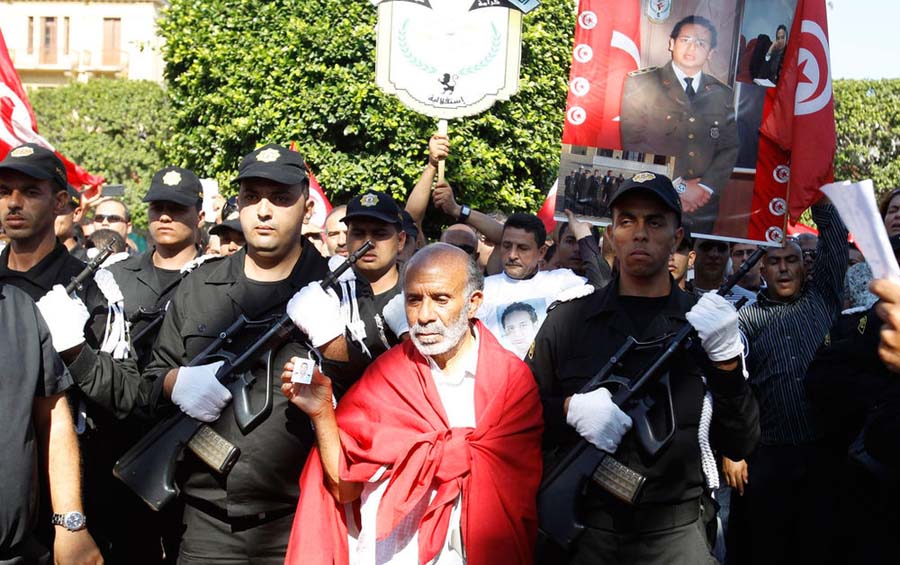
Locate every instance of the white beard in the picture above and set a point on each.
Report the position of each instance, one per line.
(451, 336)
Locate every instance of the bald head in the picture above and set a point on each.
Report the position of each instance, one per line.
(462, 236)
(452, 261)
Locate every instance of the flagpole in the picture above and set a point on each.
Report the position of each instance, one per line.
(442, 129)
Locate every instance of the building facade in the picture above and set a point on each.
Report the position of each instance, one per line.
(53, 43)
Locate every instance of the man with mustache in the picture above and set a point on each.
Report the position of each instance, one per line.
(665, 522)
(710, 261)
(422, 442)
(245, 515)
(88, 331)
(364, 318)
(522, 245)
(786, 481)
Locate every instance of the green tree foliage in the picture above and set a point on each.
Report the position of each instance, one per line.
(867, 115)
(111, 127)
(242, 74)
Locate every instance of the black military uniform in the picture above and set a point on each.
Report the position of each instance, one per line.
(147, 289)
(367, 334)
(108, 389)
(262, 487)
(701, 133)
(574, 342)
(247, 513)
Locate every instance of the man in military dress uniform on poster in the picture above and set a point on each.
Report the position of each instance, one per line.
(680, 111)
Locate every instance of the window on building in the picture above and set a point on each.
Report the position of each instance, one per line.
(579, 150)
(31, 35)
(66, 31)
(49, 46)
(112, 41)
(604, 153)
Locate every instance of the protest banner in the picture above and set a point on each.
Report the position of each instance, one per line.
(679, 89)
(449, 58)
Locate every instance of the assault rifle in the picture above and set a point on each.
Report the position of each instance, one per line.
(77, 282)
(565, 483)
(148, 468)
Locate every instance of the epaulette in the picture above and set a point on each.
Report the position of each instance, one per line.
(643, 71)
(570, 294)
(197, 261)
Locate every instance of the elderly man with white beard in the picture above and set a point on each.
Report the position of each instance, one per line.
(420, 443)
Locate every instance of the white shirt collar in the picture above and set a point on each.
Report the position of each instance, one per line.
(680, 75)
(466, 369)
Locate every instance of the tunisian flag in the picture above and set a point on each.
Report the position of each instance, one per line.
(392, 424)
(607, 48)
(801, 117)
(18, 124)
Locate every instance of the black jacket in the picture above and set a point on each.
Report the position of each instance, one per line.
(580, 336)
(264, 479)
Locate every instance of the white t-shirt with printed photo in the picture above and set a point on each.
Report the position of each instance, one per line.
(514, 309)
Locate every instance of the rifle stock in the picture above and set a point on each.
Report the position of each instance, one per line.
(564, 485)
(148, 468)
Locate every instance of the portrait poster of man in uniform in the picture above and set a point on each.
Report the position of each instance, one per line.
(653, 87)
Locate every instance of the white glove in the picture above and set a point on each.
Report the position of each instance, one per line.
(65, 316)
(316, 313)
(395, 315)
(336, 261)
(199, 393)
(598, 420)
(716, 322)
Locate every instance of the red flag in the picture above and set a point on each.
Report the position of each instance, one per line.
(548, 209)
(801, 121)
(18, 124)
(323, 206)
(607, 48)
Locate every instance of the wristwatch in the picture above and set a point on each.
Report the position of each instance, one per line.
(72, 521)
(681, 187)
(464, 213)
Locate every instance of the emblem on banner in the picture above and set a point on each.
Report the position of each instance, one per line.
(580, 86)
(587, 19)
(658, 11)
(774, 235)
(813, 95)
(781, 174)
(576, 115)
(778, 206)
(583, 53)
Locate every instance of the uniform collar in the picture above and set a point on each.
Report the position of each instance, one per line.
(607, 301)
(45, 273)
(231, 269)
(144, 261)
(681, 75)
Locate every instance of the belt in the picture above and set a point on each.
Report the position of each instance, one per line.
(238, 522)
(621, 518)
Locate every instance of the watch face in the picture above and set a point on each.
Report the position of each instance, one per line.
(680, 188)
(74, 521)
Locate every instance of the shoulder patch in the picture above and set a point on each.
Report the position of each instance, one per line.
(573, 293)
(643, 71)
(197, 261)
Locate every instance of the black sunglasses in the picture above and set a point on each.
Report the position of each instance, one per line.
(111, 218)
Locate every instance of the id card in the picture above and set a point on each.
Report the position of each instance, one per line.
(303, 370)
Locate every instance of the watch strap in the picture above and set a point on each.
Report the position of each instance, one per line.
(464, 213)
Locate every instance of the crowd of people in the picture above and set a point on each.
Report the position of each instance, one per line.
(434, 394)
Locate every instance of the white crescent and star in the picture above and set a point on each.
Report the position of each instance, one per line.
(814, 93)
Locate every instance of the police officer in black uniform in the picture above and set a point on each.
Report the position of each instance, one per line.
(681, 111)
(580, 336)
(87, 332)
(148, 281)
(366, 316)
(245, 516)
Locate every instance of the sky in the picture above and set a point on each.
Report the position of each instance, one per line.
(863, 37)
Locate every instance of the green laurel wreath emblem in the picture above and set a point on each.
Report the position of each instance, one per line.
(426, 67)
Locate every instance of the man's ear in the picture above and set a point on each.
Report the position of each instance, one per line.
(60, 202)
(401, 239)
(679, 235)
(310, 207)
(474, 303)
(543, 251)
(201, 218)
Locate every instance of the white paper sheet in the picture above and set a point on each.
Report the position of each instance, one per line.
(855, 202)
